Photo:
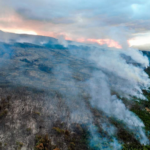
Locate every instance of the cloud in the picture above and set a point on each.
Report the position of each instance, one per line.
(77, 19)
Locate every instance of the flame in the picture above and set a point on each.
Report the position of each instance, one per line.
(81, 40)
(68, 38)
(108, 42)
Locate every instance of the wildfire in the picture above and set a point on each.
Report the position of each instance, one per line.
(108, 42)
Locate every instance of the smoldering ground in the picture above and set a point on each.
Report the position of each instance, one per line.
(86, 81)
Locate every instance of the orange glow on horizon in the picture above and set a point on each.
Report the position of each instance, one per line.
(108, 42)
(81, 40)
(68, 38)
(20, 31)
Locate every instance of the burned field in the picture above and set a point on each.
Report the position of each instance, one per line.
(54, 99)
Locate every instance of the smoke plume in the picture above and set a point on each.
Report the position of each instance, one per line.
(88, 78)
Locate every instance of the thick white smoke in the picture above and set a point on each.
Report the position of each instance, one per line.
(116, 75)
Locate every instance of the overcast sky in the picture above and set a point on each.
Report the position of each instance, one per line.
(80, 20)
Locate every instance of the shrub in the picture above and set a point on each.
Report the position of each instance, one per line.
(42, 142)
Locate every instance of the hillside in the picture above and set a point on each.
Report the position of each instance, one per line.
(46, 100)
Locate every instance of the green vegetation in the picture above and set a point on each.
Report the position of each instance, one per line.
(142, 109)
(37, 113)
(19, 145)
(58, 130)
(134, 147)
(4, 106)
(61, 131)
(3, 113)
(5, 144)
(74, 141)
(43, 143)
(29, 131)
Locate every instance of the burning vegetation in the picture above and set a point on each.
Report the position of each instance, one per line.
(58, 99)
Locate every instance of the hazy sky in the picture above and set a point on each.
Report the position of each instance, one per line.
(111, 22)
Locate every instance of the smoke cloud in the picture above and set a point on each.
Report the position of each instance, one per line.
(87, 78)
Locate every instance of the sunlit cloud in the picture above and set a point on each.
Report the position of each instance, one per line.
(25, 32)
(96, 22)
(144, 39)
(20, 31)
